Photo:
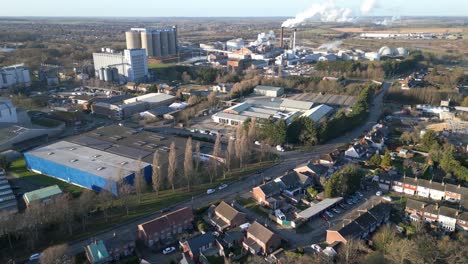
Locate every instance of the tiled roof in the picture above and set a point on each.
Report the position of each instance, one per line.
(413, 204)
(449, 212)
(270, 188)
(168, 220)
(260, 232)
(199, 241)
(226, 211)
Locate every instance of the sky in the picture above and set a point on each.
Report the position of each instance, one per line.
(221, 8)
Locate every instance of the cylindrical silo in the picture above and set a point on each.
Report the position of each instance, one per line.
(115, 74)
(108, 75)
(147, 43)
(176, 39)
(171, 42)
(101, 74)
(133, 39)
(157, 44)
(164, 43)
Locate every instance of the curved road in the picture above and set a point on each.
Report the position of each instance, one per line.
(289, 161)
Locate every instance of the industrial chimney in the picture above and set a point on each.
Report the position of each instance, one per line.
(294, 40)
(281, 37)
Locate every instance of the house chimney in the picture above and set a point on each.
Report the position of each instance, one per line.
(281, 37)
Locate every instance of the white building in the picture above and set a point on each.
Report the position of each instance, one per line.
(14, 75)
(235, 44)
(318, 113)
(131, 65)
(153, 99)
(7, 111)
(270, 91)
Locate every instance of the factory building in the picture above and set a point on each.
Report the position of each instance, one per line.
(157, 42)
(90, 168)
(269, 91)
(235, 44)
(14, 75)
(7, 111)
(131, 65)
(270, 108)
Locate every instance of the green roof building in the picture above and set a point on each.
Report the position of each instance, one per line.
(96, 253)
(41, 195)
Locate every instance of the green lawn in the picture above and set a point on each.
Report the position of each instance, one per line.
(18, 168)
(247, 203)
(159, 66)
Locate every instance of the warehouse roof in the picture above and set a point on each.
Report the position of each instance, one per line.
(93, 161)
(319, 207)
(231, 116)
(268, 88)
(150, 98)
(295, 104)
(42, 194)
(318, 112)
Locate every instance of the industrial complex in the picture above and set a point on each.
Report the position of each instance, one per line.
(131, 65)
(157, 42)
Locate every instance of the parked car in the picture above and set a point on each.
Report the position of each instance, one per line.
(325, 217)
(35, 256)
(360, 194)
(280, 148)
(342, 205)
(222, 186)
(378, 193)
(168, 250)
(257, 143)
(336, 210)
(210, 191)
(316, 247)
(349, 201)
(329, 214)
(387, 198)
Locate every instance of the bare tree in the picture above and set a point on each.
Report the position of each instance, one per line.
(139, 180)
(197, 156)
(56, 255)
(252, 133)
(106, 198)
(212, 99)
(230, 153)
(238, 145)
(214, 161)
(8, 226)
(125, 191)
(171, 169)
(85, 203)
(156, 176)
(188, 162)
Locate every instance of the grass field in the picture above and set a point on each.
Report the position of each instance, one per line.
(159, 66)
(18, 168)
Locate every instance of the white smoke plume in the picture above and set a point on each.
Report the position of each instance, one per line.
(387, 21)
(367, 6)
(331, 45)
(325, 12)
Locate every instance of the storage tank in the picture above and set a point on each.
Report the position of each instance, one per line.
(115, 74)
(108, 75)
(157, 44)
(147, 43)
(176, 39)
(133, 39)
(101, 74)
(171, 42)
(164, 43)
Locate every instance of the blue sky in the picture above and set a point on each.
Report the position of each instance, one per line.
(221, 8)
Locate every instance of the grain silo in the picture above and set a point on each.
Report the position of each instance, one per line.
(157, 43)
(164, 43)
(147, 43)
(133, 39)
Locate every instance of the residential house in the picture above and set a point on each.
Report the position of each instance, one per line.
(448, 218)
(195, 246)
(423, 188)
(225, 217)
(437, 191)
(261, 240)
(410, 185)
(404, 153)
(293, 183)
(376, 139)
(96, 253)
(120, 245)
(385, 180)
(356, 151)
(414, 209)
(329, 159)
(365, 223)
(431, 213)
(317, 170)
(231, 239)
(266, 194)
(455, 193)
(166, 226)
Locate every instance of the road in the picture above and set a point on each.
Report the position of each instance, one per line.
(289, 161)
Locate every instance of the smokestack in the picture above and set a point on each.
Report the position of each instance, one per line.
(294, 40)
(281, 37)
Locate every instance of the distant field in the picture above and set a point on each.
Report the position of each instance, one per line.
(402, 30)
(159, 66)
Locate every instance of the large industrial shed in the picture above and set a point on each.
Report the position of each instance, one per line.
(84, 166)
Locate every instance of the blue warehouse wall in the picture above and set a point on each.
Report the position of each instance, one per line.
(71, 175)
(147, 172)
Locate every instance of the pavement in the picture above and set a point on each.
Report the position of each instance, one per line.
(289, 161)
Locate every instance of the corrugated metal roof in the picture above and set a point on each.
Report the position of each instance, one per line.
(294, 104)
(317, 208)
(318, 112)
(231, 116)
(42, 194)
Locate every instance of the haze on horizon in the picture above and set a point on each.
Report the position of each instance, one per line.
(216, 8)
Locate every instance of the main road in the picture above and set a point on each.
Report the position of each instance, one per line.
(289, 160)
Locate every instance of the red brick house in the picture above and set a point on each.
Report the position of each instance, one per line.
(265, 194)
(261, 240)
(164, 227)
(227, 217)
(196, 245)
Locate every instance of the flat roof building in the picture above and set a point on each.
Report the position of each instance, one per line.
(14, 75)
(131, 65)
(270, 91)
(41, 195)
(86, 167)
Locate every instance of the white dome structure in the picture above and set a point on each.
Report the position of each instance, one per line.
(402, 52)
(385, 51)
